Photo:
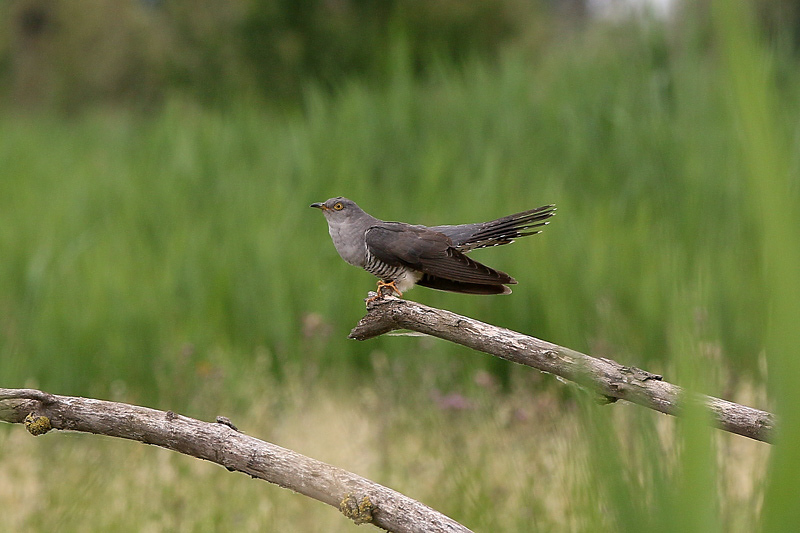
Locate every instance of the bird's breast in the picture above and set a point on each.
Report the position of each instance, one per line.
(350, 245)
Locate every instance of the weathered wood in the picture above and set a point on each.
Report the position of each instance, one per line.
(360, 499)
(606, 377)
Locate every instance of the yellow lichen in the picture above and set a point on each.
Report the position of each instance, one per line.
(37, 425)
(359, 512)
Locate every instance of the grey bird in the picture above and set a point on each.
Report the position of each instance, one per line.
(403, 255)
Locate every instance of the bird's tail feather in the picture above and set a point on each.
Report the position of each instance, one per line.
(505, 230)
(442, 284)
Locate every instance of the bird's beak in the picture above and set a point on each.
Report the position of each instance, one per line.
(319, 206)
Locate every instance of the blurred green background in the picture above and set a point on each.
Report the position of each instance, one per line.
(156, 247)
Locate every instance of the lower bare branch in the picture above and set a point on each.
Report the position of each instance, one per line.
(604, 376)
(360, 499)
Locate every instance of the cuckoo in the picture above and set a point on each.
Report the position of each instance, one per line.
(402, 255)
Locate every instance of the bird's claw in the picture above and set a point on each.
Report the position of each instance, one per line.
(392, 289)
(385, 290)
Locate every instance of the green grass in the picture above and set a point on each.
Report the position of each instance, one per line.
(172, 260)
(127, 238)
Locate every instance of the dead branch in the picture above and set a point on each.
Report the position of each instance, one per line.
(604, 376)
(361, 500)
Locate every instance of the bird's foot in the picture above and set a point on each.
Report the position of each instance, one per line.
(384, 290)
(392, 289)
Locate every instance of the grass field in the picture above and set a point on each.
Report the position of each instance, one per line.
(171, 260)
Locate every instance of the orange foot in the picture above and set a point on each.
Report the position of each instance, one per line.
(381, 285)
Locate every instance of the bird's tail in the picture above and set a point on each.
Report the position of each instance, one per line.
(501, 231)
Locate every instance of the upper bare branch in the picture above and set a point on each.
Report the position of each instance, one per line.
(604, 376)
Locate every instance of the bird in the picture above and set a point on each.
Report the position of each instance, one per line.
(402, 255)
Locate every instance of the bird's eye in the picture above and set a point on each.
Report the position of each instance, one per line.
(338, 206)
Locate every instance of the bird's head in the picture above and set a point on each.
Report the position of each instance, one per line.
(338, 209)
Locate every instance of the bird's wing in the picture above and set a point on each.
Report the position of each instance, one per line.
(504, 230)
(430, 252)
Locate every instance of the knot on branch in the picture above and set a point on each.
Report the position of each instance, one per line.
(37, 425)
(640, 375)
(359, 512)
(225, 421)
